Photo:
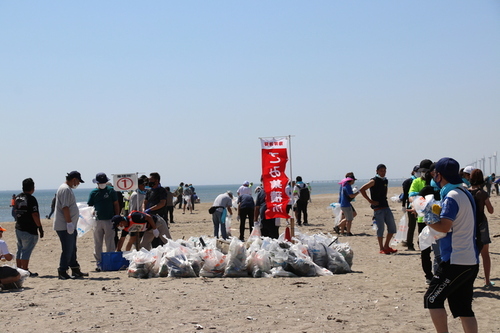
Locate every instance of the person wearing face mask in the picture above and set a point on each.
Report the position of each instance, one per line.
(65, 222)
(416, 188)
(380, 205)
(155, 202)
(454, 279)
(105, 202)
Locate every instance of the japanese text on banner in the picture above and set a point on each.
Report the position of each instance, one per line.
(274, 178)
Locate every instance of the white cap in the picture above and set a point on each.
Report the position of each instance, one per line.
(468, 169)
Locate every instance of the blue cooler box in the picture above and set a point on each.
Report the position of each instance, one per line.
(113, 261)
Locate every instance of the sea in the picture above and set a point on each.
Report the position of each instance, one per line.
(206, 193)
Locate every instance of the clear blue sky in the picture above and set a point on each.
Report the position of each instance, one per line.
(186, 88)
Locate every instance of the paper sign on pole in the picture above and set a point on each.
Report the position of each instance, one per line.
(125, 181)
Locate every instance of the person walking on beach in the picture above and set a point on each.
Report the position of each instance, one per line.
(65, 223)
(454, 279)
(382, 213)
(482, 200)
(187, 194)
(52, 207)
(13, 205)
(28, 225)
(105, 201)
(221, 206)
(345, 198)
(302, 195)
(178, 193)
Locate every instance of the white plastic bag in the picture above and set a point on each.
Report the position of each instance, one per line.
(429, 236)
(86, 219)
(337, 212)
(402, 230)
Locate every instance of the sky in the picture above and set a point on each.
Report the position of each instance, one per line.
(187, 88)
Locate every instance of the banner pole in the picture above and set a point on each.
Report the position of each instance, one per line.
(292, 198)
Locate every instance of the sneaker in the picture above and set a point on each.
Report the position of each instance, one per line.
(337, 230)
(33, 274)
(384, 252)
(349, 234)
(306, 223)
(391, 250)
(410, 248)
(98, 269)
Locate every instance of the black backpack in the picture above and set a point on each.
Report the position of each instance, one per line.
(21, 205)
(304, 194)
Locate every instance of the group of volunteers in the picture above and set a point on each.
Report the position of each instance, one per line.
(460, 218)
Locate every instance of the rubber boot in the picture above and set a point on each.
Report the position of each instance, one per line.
(63, 275)
(77, 273)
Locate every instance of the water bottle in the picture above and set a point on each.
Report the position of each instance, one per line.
(374, 225)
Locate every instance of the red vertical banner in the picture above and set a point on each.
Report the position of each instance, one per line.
(274, 178)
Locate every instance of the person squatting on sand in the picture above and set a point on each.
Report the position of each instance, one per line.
(105, 202)
(28, 225)
(65, 222)
(454, 279)
(380, 205)
(8, 275)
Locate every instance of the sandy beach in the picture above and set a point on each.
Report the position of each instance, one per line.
(383, 294)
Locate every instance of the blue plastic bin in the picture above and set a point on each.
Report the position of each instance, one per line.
(113, 261)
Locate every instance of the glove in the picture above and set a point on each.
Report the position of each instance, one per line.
(40, 231)
(70, 227)
(148, 211)
(156, 233)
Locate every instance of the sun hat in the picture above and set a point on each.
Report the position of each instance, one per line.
(100, 178)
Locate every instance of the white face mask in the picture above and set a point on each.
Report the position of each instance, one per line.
(74, 186)
(121, 228)
(101, 186)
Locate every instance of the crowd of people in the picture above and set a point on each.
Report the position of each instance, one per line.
(463, 197)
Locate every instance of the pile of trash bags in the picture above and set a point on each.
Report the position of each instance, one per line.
(316, 255)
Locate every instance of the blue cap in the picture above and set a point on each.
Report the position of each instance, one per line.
(449, 169)
(100, 178)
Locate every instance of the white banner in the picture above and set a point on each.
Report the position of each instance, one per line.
(125, 181)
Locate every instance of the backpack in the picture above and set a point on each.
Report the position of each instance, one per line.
(21, 205)
(304, 194)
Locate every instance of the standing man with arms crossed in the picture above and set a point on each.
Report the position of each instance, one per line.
(380, 205)
(454, 279)
(65, 220)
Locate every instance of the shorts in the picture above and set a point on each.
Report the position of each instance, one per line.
(348, 213)
(485, 232)
(6, 272)
(455, 283)
(25, 244)
(384, 217)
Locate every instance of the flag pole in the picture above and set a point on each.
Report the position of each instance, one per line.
(292, 198)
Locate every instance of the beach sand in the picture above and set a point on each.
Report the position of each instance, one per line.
(383, 294)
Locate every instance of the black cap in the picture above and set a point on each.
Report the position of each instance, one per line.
(380, 166)
(100, 178)
(75, 174)
(425, 165)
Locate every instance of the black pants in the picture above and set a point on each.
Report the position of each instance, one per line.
(245, 213)
(301, 209)
(269, 229)
(412, 223)
(169, 214)
(425, 256)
